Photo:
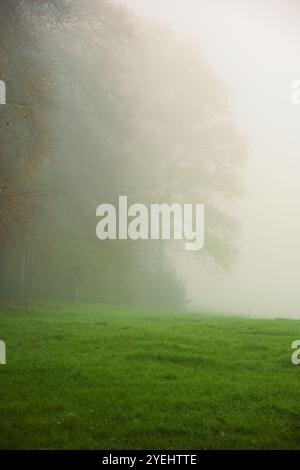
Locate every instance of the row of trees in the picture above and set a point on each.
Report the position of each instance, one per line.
(101, 105)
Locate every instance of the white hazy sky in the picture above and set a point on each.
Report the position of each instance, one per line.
(254, 45)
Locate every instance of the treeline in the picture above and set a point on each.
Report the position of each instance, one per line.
(101, 105)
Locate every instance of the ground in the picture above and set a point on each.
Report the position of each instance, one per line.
(98, 377)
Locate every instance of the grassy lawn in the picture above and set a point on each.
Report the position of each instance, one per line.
(95, 377)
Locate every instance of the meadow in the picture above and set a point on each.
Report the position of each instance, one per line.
(100, 377)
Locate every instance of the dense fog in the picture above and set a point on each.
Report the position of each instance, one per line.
(254, 47)
(174, 102)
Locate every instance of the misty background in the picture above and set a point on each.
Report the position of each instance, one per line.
(254, 46)
(173, 101)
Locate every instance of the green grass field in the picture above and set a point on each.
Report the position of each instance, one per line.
(95, 377)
